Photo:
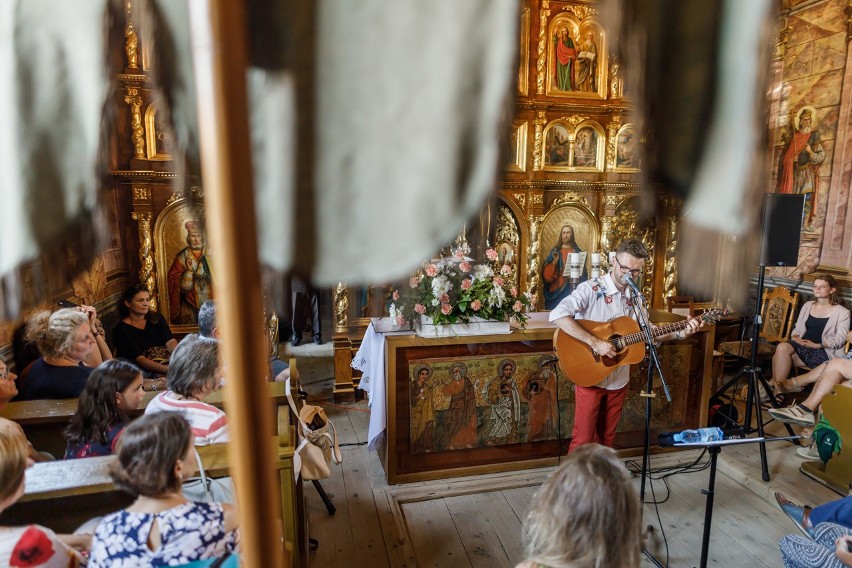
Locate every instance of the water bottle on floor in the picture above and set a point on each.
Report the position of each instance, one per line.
(713, 434)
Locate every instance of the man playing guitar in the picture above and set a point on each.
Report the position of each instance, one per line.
(598, 408)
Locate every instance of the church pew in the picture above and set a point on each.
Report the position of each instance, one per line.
(837, 473)
(43, 421)
(64, 494)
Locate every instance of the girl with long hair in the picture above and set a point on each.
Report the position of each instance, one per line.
(114, 389)
(161, 527)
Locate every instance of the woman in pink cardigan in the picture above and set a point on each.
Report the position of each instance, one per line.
(819, 335)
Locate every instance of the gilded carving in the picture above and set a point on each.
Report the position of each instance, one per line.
(570, 197)
(134, 99)
(582, 12)
(341, 308)
(507, 227)
(533, 276)
(670, 275)
(612, 136)
(272, 333)
(537, 199)
(172, 198)
(197, 192)
(147, 274)
(538, 150)
(574, 120)
(616, 88)
(541, 62)
(131, 45)
(521, 199)
(141, 194)
(613, 200)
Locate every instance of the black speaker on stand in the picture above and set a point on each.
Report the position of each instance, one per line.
(782, 225)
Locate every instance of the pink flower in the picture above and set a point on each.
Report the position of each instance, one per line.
(466, 284)
(459, 254)
(446, 309)
(414, 281)
(464, 266)
(517, 306)
(476, 305)
(514, 291)
(395, 295)
(420, 309)
(491, 254)
(505, 269)
(497, 280)
(444, 299)
(431, 271)
(400, 320)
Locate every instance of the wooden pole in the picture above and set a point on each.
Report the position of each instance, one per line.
(219, 47)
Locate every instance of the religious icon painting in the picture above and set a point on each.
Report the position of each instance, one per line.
(577, 62)
(589, 148)
(627, 149)
(557, 147)
(184, 266)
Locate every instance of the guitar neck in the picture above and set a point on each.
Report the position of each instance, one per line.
(639, 336)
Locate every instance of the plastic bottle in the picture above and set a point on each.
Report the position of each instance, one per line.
(701, 435)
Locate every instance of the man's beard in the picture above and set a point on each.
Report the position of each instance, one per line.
(805, 129)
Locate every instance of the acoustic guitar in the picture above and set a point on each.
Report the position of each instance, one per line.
(584, 367)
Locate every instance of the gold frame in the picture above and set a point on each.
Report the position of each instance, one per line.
(151, 134)
(524, 64)
(168, 230)
(520, 128)
(577, 28)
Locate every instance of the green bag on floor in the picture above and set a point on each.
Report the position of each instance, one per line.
(827, 440)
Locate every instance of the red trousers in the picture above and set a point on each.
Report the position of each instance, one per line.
(597, 412)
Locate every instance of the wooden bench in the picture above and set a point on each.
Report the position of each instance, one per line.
(82, 489)
(44, 421)
(837, 473)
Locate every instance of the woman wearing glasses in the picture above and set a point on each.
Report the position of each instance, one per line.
(598, 408)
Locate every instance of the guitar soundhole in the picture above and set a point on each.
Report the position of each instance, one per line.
(619, 355)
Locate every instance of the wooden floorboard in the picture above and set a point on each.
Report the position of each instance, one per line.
(478, 520)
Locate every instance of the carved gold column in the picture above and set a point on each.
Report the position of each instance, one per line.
(541, 62)
(670, 275)
(134, 99)
(147, 275)
(344, 386)
(533, 277)
(538, 144)
(612, 134)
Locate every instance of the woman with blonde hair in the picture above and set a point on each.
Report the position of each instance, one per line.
(587, 514)
(30, 545)
(71, 343)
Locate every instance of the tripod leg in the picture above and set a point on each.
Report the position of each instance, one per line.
(324, 496)
(772, 401)
(754, 398)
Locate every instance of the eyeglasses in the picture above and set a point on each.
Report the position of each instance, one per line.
(635, 272)
(4, 374)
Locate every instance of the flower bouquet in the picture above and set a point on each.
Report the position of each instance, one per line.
(455, 290)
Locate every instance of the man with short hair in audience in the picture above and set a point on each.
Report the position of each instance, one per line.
(207, 328)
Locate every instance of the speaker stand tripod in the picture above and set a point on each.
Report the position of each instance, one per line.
(754, 375)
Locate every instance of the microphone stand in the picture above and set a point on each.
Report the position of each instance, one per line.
(654, 364)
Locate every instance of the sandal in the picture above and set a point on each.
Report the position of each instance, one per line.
(781, 389)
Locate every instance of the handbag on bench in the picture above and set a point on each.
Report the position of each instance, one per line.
(321, 436)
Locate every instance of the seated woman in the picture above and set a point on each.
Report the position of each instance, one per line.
(819, 335)
(796, 384)
(31, 545)
(586, 514)
(70, 350)
(8, 389)
(194, 372)
(142, 336)
(160, 528)
(113, 390)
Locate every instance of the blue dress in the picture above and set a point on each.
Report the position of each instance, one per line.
(189, 532)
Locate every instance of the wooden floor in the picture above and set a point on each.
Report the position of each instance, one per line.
(478, 521)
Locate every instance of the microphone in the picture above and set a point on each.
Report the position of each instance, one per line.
(632, 285)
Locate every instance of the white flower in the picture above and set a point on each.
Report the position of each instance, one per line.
(496, 296)
(481, 272)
